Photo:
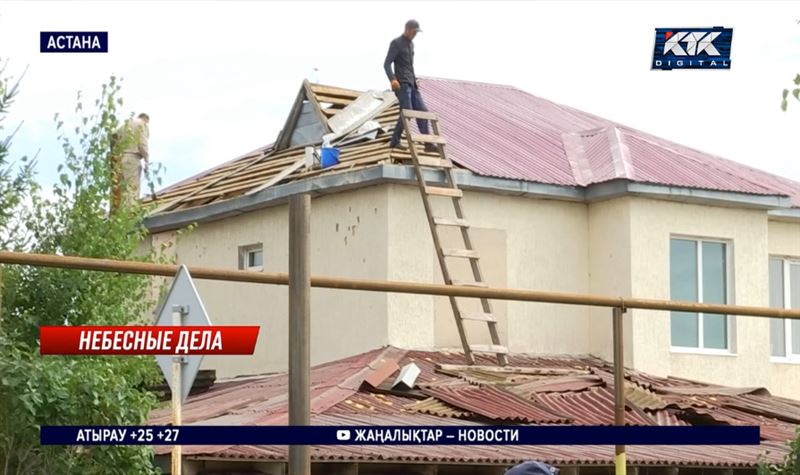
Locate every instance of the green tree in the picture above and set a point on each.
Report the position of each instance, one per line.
(795, 92)
(64, 390)
(790, 464)
(16, 179)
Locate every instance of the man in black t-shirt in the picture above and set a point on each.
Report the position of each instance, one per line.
(404, 81)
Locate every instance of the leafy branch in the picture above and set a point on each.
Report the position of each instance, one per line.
(790, 464)
(795, 92)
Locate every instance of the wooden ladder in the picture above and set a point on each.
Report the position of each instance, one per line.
(451, 190)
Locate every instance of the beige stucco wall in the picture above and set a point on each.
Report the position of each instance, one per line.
(348, 236)
(609, 272)
(653, 222)
(532, 244)
(784, 241)
(784, 238)
(618, 247)
(492, 247)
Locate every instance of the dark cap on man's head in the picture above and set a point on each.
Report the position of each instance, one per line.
(414, 25)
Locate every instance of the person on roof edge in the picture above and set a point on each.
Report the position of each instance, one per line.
(404, 81)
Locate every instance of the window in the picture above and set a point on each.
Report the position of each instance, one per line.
(699, 273)
(251, 257)
(784, 292)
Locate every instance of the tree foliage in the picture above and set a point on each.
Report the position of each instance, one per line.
(66, 390)
(794, 92)
(790, 464)
(16, 179)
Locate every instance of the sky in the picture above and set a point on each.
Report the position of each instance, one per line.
(218, 79)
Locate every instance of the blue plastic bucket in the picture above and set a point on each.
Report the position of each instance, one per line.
(329, 157)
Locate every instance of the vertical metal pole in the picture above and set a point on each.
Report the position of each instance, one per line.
(299, 327)
(619, 389)
(177, 393)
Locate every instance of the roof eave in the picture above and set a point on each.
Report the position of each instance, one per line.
(385, 173)
(791, 215)
(616, 188)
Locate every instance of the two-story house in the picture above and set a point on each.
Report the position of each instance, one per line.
(559, 200)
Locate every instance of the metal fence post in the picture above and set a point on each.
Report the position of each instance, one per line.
(177, 393)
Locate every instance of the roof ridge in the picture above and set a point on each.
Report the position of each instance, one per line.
(319, 84)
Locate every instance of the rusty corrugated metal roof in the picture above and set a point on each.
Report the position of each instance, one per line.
(558, 384)
(439, 408)
(644, 398)
(679, 455)
(495, 403)
(340, 398)
(594, 406)
(702, 456)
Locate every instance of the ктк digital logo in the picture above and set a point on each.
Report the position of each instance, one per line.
(693, 48)
(73, 42)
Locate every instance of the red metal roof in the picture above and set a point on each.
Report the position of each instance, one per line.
(341, 396)
(499, 131)
(505, 132)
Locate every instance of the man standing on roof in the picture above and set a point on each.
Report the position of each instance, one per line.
(404, 81)
(129, 155)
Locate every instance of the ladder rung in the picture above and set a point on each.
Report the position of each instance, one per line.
(412, 114)
(440, 191)
(500, 349)
(465, 253)
(428, 138)
(434, 162)
(461, 283)
(451, 222)
(479, 317)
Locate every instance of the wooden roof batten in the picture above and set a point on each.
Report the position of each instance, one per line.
(282, 162)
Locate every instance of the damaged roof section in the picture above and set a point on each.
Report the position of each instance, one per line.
(532, 390)
(281, 162)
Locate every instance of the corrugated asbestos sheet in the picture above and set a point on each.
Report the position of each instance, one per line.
(341, 395)
(497, 131)
(439, 408)
(594, 406)
(494, 403)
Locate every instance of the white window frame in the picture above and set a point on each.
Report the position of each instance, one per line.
(790, 357)
(730, 326)
(244, 257)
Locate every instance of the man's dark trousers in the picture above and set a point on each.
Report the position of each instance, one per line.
(410, 98)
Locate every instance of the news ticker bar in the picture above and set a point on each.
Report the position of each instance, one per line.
(150, 340)
(402, 435)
